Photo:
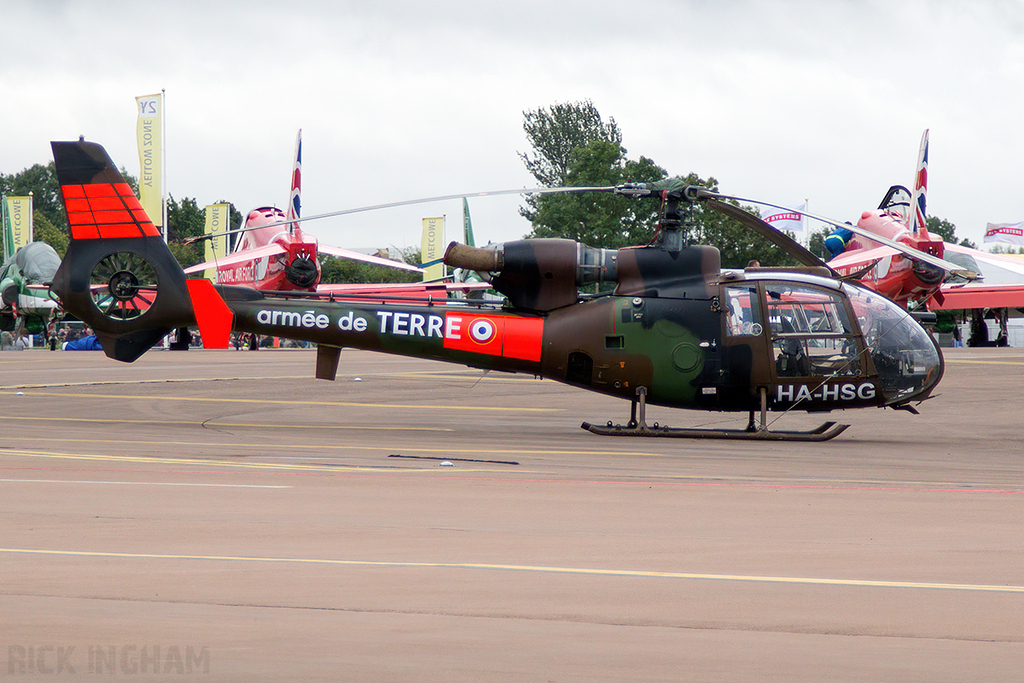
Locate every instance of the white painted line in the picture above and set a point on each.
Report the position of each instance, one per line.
(143, 483)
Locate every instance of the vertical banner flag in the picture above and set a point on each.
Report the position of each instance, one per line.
(1011, 233)
(783, 219)
(17, 224)
(217, 216)
(432, 248)
(467, 225)
(149, 131)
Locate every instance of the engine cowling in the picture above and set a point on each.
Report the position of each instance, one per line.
(538, 274)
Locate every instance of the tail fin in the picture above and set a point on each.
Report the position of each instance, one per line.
(118, 276)
(294, 198)
(917, 204)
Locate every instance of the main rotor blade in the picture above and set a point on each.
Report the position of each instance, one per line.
(948, 266)
(410, 202)
(780, 239)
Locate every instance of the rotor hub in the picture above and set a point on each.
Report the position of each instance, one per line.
(123, 285)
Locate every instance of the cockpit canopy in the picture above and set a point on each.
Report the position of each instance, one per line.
(818, 330)
(905, 356)
(897, 202)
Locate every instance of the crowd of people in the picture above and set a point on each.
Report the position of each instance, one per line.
(82, 338)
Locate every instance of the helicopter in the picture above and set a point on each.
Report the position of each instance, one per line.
(677, 330)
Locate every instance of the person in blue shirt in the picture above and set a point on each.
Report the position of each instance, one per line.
(837, 241)
(88, 342)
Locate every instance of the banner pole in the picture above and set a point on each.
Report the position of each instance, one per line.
(163, 160)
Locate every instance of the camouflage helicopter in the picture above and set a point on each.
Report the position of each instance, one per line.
(676, 331)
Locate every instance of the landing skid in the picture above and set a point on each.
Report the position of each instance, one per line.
(753, 432)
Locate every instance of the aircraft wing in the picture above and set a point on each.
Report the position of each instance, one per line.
(994, 268)
(1002, 284)
(861, 258)
(238, 257)
(978, 295)
(366, 258)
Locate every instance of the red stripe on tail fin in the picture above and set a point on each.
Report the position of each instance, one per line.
(106, 211)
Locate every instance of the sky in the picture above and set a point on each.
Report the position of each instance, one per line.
(781, 100)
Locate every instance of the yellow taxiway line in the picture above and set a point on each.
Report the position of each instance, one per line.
(271, 401)
(587, 571)
(213, 423)
(196, 462)
(445, 451)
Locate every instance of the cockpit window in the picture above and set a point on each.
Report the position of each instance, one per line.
(806, 310)
(810, 331)
(742, 311)
(897, 201)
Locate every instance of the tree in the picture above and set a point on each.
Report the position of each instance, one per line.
(942, 228)
(184, 219)
(554, 133)
(599, 219)
(45, 231)
(612, 221)
(736, 243)
(573, 146)
(946, 230)
(816, 242)
(1004, 249)
(41, 182)
(50, 224)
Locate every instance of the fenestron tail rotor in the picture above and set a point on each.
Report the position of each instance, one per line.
(123, 286)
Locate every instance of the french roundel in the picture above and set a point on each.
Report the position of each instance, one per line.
(482, 330)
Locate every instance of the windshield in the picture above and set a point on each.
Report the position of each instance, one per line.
(907, 359)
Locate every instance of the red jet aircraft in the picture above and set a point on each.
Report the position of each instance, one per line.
(887, 248)
(274, 254)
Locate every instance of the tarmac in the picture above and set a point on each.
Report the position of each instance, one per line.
(221, 515)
